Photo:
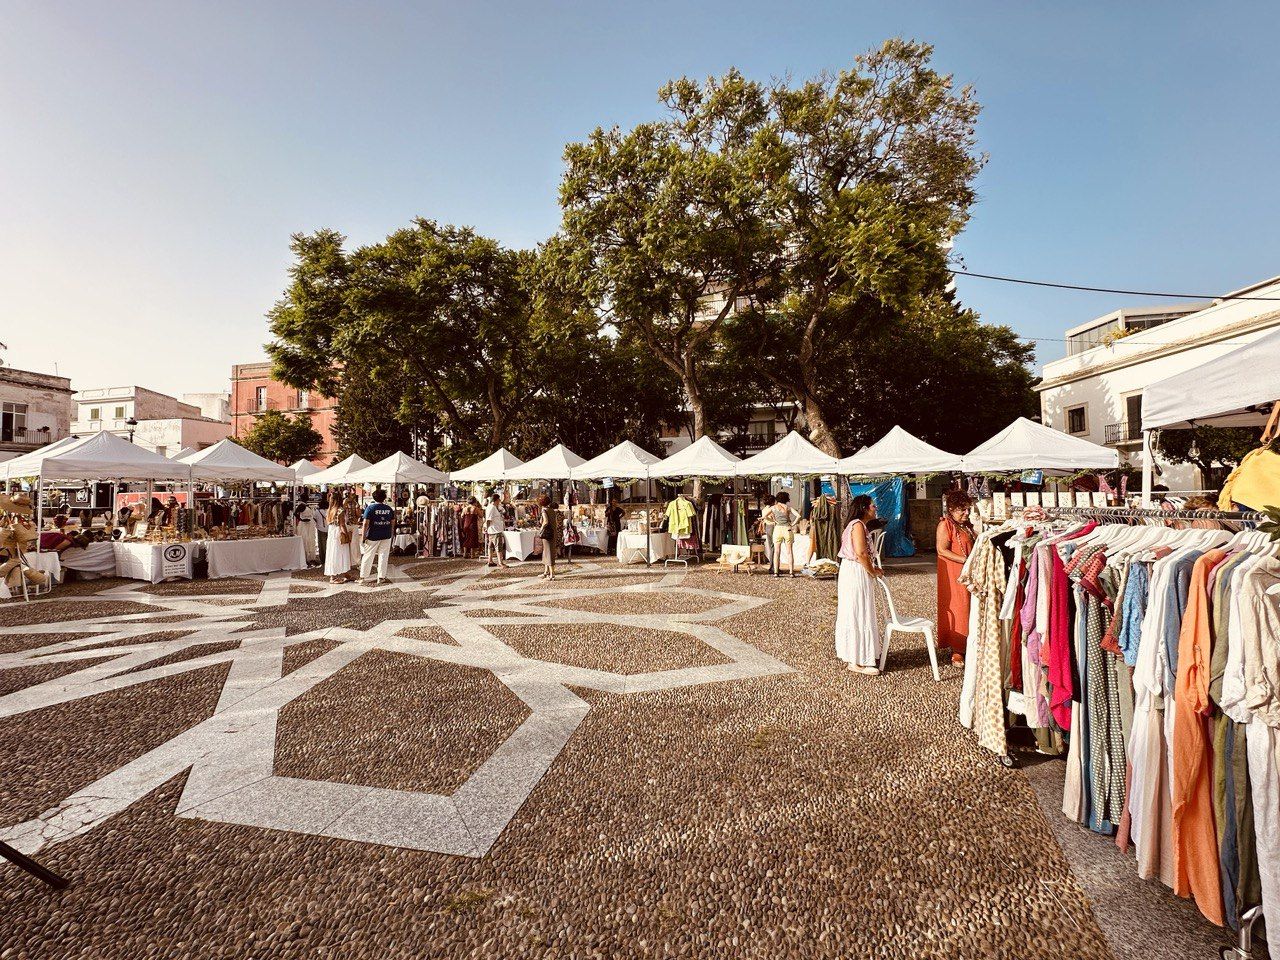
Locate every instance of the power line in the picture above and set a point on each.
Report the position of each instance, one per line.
(1074, 286)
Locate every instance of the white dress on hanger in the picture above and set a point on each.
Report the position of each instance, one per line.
(857, 619)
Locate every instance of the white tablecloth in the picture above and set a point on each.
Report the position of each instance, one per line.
(802, 545)
(521, 543)
(597, 538)
(50, 563)
(631, 547)
(153, 561)
(98, 559)
(235, 558)
(402, 540)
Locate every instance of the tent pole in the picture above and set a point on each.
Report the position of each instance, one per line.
(648, 526)
(1148, 469)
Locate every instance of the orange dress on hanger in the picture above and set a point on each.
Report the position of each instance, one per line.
(953, 598)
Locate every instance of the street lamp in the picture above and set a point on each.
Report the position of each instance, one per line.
(132, 424)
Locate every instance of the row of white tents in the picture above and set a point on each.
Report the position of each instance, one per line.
(1023, 445)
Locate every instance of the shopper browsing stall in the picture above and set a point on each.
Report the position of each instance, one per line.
(495, 528)
(337, 554)
(378, 529)
(954, 543)
(784, 519)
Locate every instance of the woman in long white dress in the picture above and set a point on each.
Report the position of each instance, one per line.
(858, 640)
(304, 522)
(337, 552)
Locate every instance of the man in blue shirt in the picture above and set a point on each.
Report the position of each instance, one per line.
(377, 529)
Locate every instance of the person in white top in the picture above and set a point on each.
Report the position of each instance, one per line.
(495, 526)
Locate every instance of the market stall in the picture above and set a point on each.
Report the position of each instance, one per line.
(626, 462)
(792, 456)
(338, 473)
(899, 453)
(303, 469)
(103, 457)
(1026, 445)
(234, 548)
(398, 468)
(492, 469)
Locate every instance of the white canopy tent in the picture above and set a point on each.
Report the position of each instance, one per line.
(226, 460)
(102, 456)
(491, 469)
(398, 468)
(626, 461)
(1236, 389)
(338, 473)
(303, 469)
(793, 455)
(558, 463)
(899, 452)
(1026, 445)
(702, 458)
(185, 453)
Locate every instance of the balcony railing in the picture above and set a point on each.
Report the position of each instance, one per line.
(1126, 431)
(759, 441)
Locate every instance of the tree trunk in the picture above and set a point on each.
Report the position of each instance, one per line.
(698, 409)
(819, 431)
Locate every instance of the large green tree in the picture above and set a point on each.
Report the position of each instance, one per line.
(282, 438)
(879, 168)
(664, 228)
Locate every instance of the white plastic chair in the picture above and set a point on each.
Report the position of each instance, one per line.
(909, 625)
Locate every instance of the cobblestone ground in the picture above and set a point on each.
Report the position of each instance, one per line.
(467, 765)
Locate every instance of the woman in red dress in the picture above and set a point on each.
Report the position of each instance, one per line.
(470, 535)
(955, 541)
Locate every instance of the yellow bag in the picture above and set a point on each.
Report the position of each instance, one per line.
(1256, 482)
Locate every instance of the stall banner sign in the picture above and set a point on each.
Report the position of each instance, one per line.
(607, 482)
(1034, 477)
(175, 561)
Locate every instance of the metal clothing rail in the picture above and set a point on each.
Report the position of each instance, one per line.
(1144, 513)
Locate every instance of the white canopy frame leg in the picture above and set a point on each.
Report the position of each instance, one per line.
(1148, 469)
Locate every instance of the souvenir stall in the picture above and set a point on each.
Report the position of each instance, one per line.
(795, 457)
(558, 463)
(413, 529)
(629, 462)
(721, 514)
(1139, 644)
(1238, 389)
(106, 457)
(240, 535)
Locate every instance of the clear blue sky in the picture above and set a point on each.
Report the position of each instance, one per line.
(155, 157)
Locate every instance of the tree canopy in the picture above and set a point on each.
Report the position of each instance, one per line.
(282, 438)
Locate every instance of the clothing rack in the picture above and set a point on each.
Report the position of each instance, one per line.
(1111, 514)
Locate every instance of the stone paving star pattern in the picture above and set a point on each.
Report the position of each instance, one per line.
(475, 764)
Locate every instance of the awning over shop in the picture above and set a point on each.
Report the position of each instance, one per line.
(491, 469)
(398, 468)
(702, 458)
(226, 460)
(1026, 445)
(793, 455)
(899, 452)
(338, 473)
(557, 463)
(626, 461)
(1235, 390)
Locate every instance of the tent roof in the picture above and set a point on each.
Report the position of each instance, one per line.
(303, 468)
(185, 454)
(626, 461)
(556, 464)
(899, 452)
(338, 473)
(101, 456)
(227, 460)
(398, 468)
(793, 455)
(1024, 445)
(494, 467)
(1231, 391)
(702, 458)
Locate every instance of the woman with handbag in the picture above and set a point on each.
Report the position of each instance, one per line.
(549, 534)
(337, 554)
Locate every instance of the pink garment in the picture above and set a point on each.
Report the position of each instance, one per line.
(846, 542)
(1060, 638)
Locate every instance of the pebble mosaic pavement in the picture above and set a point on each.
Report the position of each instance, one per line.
(472, 763)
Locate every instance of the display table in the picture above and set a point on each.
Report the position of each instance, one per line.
(631, 547)
(96, 560)
(597, 538)
(521, 544)
(236, 558)
(153, 562)
(50, 563)
(402, 540)
(803, 547)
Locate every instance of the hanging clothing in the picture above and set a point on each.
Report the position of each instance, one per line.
(680, 514)
(824, 521)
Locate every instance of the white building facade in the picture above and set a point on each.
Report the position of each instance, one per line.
(159, 422)
(35, 409)
(1095, 392)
